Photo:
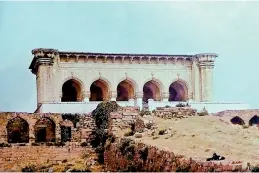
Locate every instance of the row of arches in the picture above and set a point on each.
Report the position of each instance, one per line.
(44, 130)
(126, 89)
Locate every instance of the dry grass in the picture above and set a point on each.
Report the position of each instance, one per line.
(199, 137)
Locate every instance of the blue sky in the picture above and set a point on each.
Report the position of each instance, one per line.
(229, 29)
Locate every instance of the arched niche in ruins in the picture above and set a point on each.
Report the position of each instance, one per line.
(99, 90)
(45, 130)
(151, 90)
(17, 130)
(254, 120)
(125, 91)
(71, 91)
(178, 91)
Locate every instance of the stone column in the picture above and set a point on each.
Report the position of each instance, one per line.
(138, 102)
(196, 80)
(165, 96)
(206, 64)
(113, 95)
(87, 96)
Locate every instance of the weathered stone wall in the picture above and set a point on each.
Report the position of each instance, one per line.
(122, 119)
(80, 133)
(174, 112)
(17, 157)
(246, 115)
(141, 157)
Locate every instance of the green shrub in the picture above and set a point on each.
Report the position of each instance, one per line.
(80, 170)
(204, 112)
(161, 132)
(2, 145)
(180, 105)
(59, 144)
(143, 153)
(21, 144)
(29, 168)
(127, 148)
(130, 133)
(101, 117)
(75, 118)
(144, 112)
(49, 144)
(35, 144)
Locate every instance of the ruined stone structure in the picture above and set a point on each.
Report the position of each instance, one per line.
(77, 81)
(46, 127)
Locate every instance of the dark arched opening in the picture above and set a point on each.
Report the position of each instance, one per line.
(151, 90)
(99, 91)
(71, 91)
(237, 120)
(125, 91)
(45, 130)
(17, 130)
(254, 120)
(177, 91)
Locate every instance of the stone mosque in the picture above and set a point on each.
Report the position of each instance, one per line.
(76, 82)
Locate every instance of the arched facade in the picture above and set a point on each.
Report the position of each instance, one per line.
(152, 90)
(178, 91)
(72, 91)
(101, 73)
(125, 91)
(17, 130)
(99, 90)
(45, 130)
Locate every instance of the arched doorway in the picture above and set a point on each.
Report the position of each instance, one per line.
(45, 130)
(71, 91)
(178, 91)
(254, 120)
(99, 91)
(151, 90)
(125, 91)
(17, 130)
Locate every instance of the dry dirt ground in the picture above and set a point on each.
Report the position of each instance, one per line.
(199, 137)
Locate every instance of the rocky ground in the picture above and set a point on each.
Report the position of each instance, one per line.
(200, 136)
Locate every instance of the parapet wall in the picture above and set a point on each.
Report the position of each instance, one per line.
(127, 156)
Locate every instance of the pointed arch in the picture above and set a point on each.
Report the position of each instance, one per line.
(72, 90)
(254, 120)
(152, 89)
(126, 90)
(178, 90)
(100, 90)
(132, 81)
(17, 130)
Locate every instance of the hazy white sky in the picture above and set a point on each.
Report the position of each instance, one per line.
(230, 29)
